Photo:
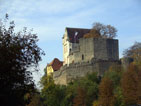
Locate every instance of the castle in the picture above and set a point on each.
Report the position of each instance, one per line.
(85, 55)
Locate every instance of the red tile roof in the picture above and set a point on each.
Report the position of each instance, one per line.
(56, 64)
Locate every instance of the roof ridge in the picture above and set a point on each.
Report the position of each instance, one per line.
(77, 28)
(52, 62)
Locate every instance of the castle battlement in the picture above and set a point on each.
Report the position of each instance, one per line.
(67, 74)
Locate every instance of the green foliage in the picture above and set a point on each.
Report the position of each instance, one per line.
(118, 87)
(96, 103)
(45, 80)
(118, 97)
(18, 53)
(115, 73)
(89, 90)
(57, 95)
(90, 84)
(36, 100)
(51, 94)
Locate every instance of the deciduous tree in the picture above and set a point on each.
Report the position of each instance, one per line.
(129, 85)
(134, 52)
(106, 96)
(19, 53)
(101, 31)
(80, 98)
(105, 31)
(139, 86)
(96, 103)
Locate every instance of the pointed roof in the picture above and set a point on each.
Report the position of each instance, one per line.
(75, 34)
(56, 64)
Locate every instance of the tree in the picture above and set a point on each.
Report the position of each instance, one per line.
(93, 34)
(139, 85)
(134, 52)
(114, 73)
(81, 91)
(51, 94)
(36, 100)
(106, 96)
(134, 71)
(80, 98)
(96, 103)
(119, 101)
(104, 31)
(129, 85)
(19, 53)
(90, 84)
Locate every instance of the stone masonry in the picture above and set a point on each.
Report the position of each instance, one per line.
(89, 55)
(68, 73)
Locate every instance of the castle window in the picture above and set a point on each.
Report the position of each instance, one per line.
(82, 57)
(75, 39)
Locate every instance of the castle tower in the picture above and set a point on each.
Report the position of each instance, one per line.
(76, 48)
(85, 55)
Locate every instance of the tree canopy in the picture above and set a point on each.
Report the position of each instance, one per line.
(102, 31)
(106, 96)
(19, 53)
(134, 52)
(118, 87)
(129, 85)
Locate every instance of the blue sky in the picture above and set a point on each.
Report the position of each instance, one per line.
(49, 18)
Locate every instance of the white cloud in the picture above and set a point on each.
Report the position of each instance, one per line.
(49, 27)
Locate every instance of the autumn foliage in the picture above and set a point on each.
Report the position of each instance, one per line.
(106, 96)
(101, 31)
(118, 87)
(93, 34)
(80, 98)
(134, 52)
(131, 85)
(139, 87)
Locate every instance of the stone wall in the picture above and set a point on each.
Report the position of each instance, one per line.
(73, 71)
(98, 48)
(106, 49)
(89, 55)
(86, 49)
